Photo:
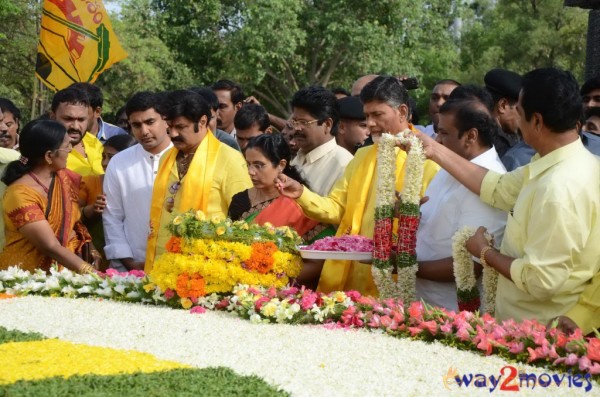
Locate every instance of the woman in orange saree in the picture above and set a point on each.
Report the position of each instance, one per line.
(40, 207)
(267, 156)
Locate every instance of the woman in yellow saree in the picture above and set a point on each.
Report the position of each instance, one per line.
(40, 206)
(267, 156)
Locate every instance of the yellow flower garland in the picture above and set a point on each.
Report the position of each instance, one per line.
(222, 265)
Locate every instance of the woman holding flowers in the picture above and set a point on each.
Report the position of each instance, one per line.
(41, 212)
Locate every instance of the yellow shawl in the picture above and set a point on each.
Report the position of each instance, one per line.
(194, 190)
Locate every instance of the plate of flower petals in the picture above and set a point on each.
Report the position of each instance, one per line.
(346, 247)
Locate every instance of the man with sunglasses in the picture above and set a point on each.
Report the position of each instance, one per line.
(315, 118)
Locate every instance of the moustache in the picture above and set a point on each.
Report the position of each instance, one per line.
(71, 131)
(177, 139)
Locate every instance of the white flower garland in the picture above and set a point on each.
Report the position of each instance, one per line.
(405, 286)
(386, 166)
(464, 271)
(463, 260)
(415, 160)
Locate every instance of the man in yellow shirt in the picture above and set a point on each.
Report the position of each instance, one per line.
(198, 173)
(550, 250)
(70, 108)
(351, 202)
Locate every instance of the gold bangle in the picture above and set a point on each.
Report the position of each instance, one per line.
(86, 268)
(482, 255)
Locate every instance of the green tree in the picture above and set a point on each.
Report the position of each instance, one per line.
(151, 65)
(521, 36)
(18, 43)
(275, 48)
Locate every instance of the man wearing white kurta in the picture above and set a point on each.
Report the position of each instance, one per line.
(315, 116)
(128, 184)
(466, 128)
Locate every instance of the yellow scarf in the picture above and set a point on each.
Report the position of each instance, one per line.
(194, 190)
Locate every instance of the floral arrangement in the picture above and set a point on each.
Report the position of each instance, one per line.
(345, 243)
(408, 222)
(528, 341)
(464, 274)
(213, 255)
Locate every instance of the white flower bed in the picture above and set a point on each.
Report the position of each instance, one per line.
(304, 360)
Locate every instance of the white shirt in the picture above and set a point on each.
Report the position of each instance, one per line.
(323, 165)
(128, 184)
(452, 206)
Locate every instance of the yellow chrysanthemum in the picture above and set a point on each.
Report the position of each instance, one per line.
(200, 215)
(178, 220)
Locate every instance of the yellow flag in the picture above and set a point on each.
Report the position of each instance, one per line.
(77, 43)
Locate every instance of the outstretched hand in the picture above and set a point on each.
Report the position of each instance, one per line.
(428, 144)
(288, 187)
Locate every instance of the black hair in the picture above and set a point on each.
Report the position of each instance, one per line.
(119, 111)
(209, 96)
(142, 101)
(275, 148)
(70, 95)
(251, 114)
(590, 85)
(592, 111)
(121, 142)
(237, 95)
(414, 113)
(319, 103)
(36, 139)
(6, 105)
(386, 89)
(554, 94)
(474, 92)
(340, 90)
(93, 91)
(472, 113)
(185, 103)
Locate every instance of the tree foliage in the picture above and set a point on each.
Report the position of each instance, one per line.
(273, 48)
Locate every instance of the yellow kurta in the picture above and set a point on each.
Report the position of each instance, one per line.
(351, 204)
(92, 165)
(225, 173)
(553, 230)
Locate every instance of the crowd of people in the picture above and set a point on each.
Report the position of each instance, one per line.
(515, 158)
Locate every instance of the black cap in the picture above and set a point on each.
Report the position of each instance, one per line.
(351, 108)
(503, 82)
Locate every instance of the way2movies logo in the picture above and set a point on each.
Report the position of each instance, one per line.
(511, 379)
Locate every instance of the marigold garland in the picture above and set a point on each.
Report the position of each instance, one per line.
(213, 255)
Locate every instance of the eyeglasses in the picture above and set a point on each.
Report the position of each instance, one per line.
(256, 167)
(302, 123)
(69, 150)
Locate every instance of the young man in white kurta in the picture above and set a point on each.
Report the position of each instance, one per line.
(128, 184)
(451, 205)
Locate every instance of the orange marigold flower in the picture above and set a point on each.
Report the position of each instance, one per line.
(174, 245)
(190, 286)
(261, 258)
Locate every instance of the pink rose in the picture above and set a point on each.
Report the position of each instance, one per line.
(198, 310)
(169, 293)
(593, 349)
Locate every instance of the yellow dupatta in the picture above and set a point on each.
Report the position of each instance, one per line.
(194, 191)
(335, 273)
